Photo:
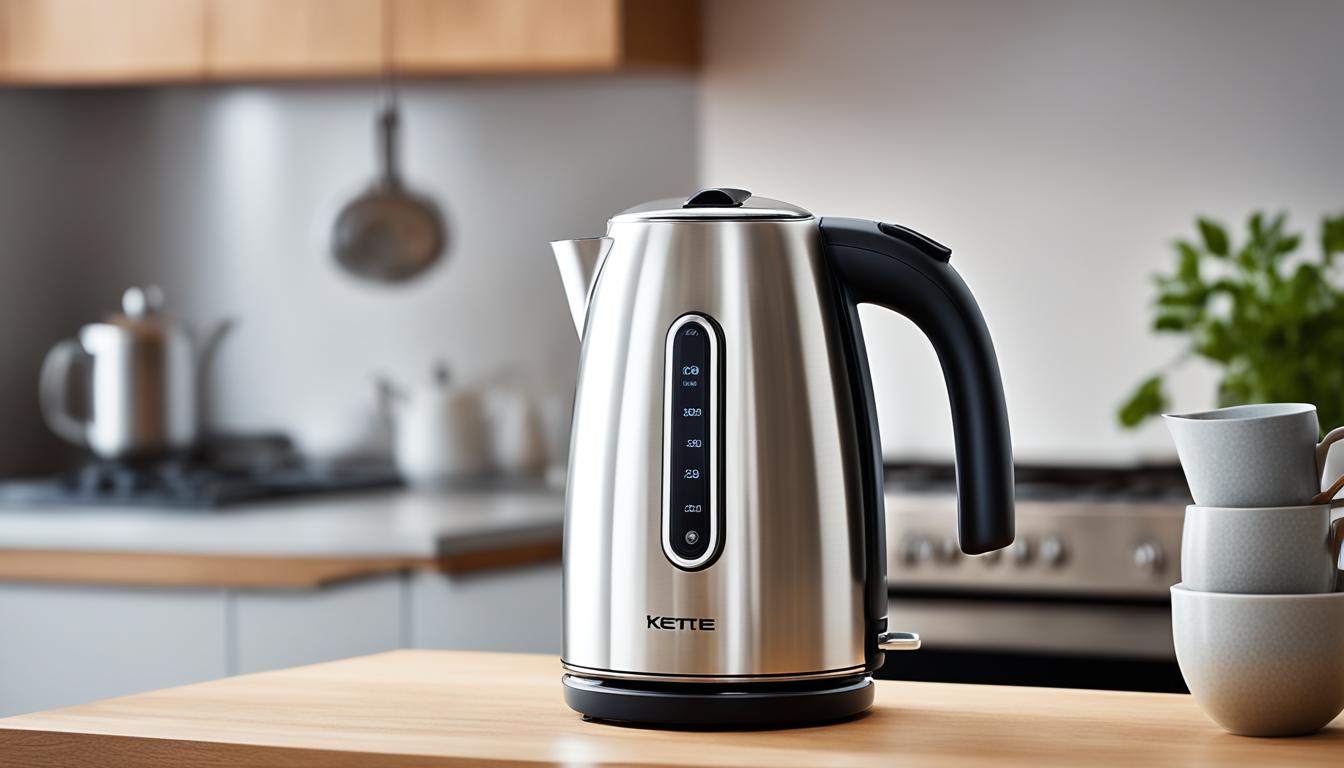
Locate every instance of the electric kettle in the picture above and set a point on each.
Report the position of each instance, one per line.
(724, 551)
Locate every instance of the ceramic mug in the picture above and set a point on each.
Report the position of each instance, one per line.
(1252, 455)
(1262, 665)
(1260, 550)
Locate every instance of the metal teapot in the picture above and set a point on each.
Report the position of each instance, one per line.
(138, 377)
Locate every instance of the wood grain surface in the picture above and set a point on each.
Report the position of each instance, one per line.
(437, 708)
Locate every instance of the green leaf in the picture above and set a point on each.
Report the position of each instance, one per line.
(1147, 400)
(1287, 244)
(1189, 264)
(1332, 237)
(1173, 323)
(1215, 237)
(1185, 250)
(1181, 300)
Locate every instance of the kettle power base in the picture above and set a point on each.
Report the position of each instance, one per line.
(719, 705)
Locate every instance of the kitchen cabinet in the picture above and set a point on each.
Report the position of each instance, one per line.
(62, 645)
(101, 41)
(127, 42)
(472, 36)
(275, 629)
(257, 39)
(505, 610)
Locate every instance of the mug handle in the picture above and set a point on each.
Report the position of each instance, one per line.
(1328, 495)
(1336, 545)
(1323, 447)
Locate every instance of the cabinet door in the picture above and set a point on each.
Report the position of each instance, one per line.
(509, 609)
(62, 645)
(290, 628)
(294, 38)
(100, 41)
(437, 36)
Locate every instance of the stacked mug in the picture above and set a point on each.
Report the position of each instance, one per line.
(1258, 618)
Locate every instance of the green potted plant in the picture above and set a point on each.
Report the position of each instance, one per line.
(1272, 321)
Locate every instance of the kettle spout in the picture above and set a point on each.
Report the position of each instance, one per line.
(579, 261)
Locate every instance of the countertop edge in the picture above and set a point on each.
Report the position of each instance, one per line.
(224, 571)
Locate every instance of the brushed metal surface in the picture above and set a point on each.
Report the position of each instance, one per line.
(141, 391)
(1071, 629)
(1110, 549)
(786, 593)
(579, 261)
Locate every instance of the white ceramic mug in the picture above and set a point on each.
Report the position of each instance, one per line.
(1262, 665)
(1260, 550)
(1252, 455)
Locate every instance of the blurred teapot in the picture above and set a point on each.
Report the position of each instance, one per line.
(440, 433)
(139, 382)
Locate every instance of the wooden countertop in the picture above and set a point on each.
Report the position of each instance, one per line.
(435, 708)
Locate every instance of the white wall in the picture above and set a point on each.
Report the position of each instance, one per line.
(225, 196)
(1057, 147)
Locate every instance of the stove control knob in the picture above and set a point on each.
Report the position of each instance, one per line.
(1148, 556)
(1052, 550)
(1022, 551)
(917, 549)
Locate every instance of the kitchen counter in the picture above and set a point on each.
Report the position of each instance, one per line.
(284, 543)
(435, 708)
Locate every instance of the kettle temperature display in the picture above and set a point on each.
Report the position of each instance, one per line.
(689, 525)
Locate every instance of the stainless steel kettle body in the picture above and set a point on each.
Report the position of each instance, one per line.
(141, 375)
(723, 532)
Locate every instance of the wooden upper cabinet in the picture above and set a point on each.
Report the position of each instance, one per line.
(257, 39)
(102, 41)
(485, 36)
(147, 41)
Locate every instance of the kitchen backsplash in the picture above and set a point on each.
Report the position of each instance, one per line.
(1057, 147)
(226, 197)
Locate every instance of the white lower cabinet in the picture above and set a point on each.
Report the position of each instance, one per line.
(288, 628)
(63, 645)
(507, 610)
(67, 644)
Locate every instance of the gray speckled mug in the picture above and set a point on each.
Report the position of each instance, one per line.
(1262, 665)
(1252, 455)
(1260, 550)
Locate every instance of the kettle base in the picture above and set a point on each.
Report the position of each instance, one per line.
(719, 705)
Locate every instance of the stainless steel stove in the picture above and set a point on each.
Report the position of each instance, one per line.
(1079, 599)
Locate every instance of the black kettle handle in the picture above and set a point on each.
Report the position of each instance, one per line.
(900, 269)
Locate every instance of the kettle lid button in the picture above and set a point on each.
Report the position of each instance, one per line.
(139, 302)
(718, 197)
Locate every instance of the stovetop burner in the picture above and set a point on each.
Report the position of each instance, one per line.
(227, 471)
